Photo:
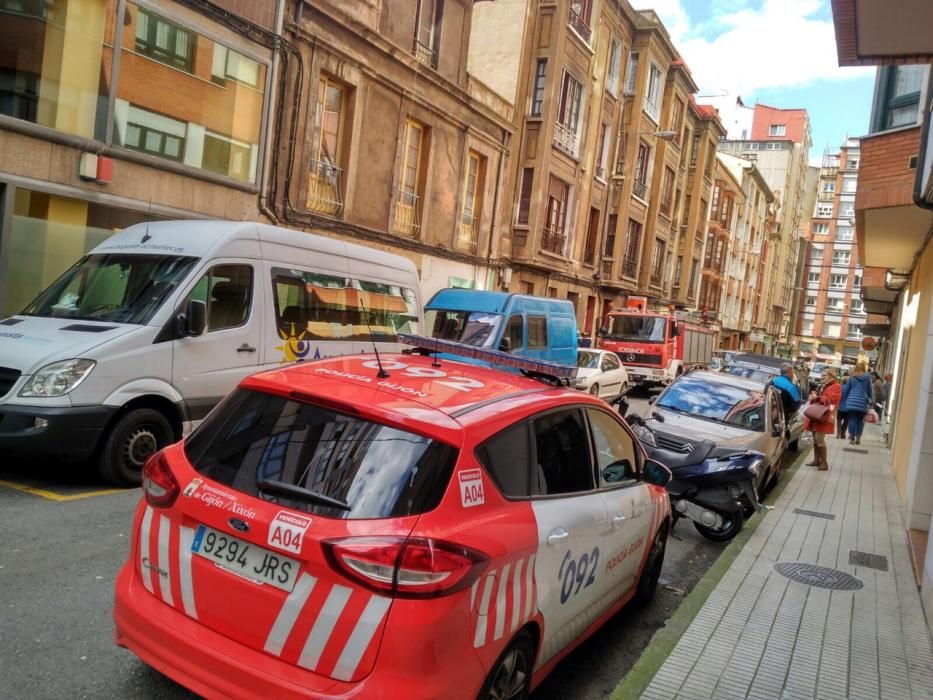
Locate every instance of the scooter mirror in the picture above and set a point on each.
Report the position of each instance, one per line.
(656, 473)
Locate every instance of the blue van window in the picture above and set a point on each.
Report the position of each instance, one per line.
(514, 333)
(537, 332)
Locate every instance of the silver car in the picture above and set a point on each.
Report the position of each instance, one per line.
(731, 411)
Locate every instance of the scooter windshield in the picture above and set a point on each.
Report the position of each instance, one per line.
(124, 288)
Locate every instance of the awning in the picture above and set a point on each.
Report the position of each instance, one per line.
(877, 330)
(873, 32)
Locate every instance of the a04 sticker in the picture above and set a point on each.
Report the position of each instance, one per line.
(577, 573)
(444, 379)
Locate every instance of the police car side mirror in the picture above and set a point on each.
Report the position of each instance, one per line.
(656, 473)
(195, 318)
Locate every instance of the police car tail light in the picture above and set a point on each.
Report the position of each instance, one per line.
(409, 567)
(159, 484)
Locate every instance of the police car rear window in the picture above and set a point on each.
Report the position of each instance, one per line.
(314, 459)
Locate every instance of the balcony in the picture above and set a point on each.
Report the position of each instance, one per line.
(607, 269)
(324, 189)
(407, 215)
(589, 256)
(553, 241)
(640, 189)
(580, 25)
(629, 267)
(566, 139)
(466, 234)
(425, 54)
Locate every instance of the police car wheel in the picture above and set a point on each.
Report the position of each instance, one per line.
(510, 677)
(136, 436)
(648, 583)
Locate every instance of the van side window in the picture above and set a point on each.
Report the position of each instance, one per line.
(537, 332)
(505, 456)
(514, 333)
(228, 292)
(319, 306)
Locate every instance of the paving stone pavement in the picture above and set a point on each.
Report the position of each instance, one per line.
(763, 636)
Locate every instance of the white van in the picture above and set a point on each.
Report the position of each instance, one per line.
(144, 335)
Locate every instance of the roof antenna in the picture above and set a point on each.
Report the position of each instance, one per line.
(434, 361)
(381, 374)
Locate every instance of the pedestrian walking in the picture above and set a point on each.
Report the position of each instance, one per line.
(828, 394)
(888, 379)
(856, 401)
(877, 390)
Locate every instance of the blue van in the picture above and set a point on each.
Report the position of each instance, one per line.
(534, 327)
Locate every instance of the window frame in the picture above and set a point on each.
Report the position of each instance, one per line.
(148, 47)
(777, 130)
(209, 273)
(538, 85)
(654, 94)
(639, 459)
(614, 66)
(887, 101)
(631, 73)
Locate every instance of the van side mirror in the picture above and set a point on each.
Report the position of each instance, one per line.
(195, 318)
(656, 473)
(505, 345)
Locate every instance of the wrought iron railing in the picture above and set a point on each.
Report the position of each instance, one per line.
(589, 256)
(566, 139)
(580, 25)
(629, 267)
(324, 188)
(425, 54)
(640, 189)
(466, 234)
(407, 214)
(553, 240)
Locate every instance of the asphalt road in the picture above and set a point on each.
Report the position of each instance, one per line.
(59, 560)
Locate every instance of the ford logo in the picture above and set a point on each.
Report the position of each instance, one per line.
(238, 524)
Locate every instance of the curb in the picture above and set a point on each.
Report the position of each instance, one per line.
(665, 639)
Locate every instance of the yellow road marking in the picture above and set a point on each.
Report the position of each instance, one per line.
(52, 496)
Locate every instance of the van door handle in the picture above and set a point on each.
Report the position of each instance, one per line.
(618, 519)
(245, 347)
(557, 536)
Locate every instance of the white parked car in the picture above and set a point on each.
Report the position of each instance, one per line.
(600, 373)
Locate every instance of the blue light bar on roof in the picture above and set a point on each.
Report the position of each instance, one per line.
(493, 357)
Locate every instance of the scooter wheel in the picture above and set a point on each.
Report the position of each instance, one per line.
(730, 528)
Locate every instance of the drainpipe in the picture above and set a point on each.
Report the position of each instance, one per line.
(495, 199)
(267, 154)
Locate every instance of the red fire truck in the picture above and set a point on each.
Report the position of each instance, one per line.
(656, 348)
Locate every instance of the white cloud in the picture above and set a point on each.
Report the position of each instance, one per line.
(781, 44)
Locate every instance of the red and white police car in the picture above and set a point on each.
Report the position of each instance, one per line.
(434, 529)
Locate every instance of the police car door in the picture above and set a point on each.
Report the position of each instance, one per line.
(631, 511)
(570, 517)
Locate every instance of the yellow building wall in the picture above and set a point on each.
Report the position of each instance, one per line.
(913, 383)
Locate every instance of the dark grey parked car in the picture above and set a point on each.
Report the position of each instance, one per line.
(764, 368)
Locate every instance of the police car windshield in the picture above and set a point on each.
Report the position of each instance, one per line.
(716, 401)
(115, 288)
(642, 329)
(476, 328)
(316, 460)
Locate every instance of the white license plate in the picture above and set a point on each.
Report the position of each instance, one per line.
(245, 559)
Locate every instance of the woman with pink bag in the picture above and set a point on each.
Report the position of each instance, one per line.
(821, 416)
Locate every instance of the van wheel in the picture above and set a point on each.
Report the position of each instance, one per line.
(510, 677)
(133, 439)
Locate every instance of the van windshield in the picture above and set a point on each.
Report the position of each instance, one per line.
(477, 328)
(116, 288)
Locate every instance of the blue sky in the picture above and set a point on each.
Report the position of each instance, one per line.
(779, 52)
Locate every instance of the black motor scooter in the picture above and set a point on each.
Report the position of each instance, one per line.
(712, 486)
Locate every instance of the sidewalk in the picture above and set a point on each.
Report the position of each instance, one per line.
(762, 635)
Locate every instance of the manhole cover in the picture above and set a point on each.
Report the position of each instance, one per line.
(819, 576)
(814, 514)
(852, 449)
(866, 559)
